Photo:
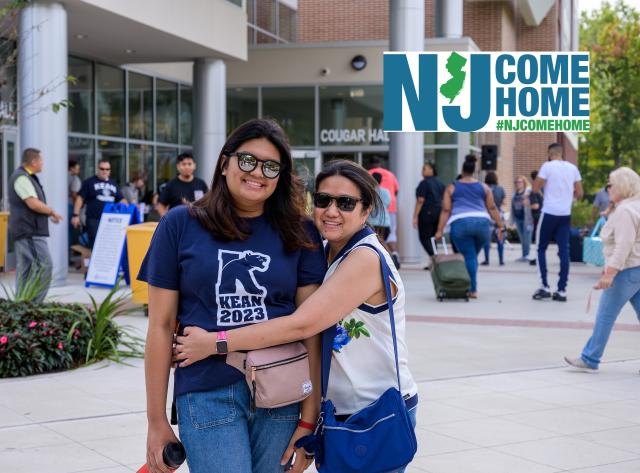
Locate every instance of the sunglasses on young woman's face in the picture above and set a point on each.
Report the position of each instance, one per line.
(247, 162)
(345, 203)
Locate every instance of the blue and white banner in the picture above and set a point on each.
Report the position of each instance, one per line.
(486, 91)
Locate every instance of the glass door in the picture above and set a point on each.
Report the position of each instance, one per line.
(307, 164)
(8, 161)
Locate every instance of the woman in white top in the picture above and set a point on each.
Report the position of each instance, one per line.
(621, 276)
(363, 366)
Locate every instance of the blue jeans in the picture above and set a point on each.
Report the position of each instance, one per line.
(222, 435)
(524, 233)
(499, 244)
(557, 228)
(412, 417)
(626, 287)
(470, 234)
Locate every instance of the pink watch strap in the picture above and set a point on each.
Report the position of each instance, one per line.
(221, 335)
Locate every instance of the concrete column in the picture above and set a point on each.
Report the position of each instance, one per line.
(209, 114)
(42, 73)
(406, 150)
(449, 16)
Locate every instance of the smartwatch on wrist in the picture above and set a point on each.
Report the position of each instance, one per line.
(75, 215)
(221, 343)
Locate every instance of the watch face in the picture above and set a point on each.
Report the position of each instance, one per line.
(221, 347)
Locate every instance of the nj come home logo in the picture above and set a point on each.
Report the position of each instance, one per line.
(488, 91)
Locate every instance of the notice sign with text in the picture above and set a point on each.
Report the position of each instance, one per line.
(107, 250)
(486, 91)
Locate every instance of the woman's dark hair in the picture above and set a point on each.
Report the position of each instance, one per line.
(284, 209)
(433, 167)
(491, 179)
(469, 166)
(365, 183)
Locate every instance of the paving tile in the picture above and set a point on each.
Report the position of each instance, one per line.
(573, 396)
(624, 439)
(436, 412)
(480, 461)
(567, 421)
(623, 467)
(506, 382)
(123, 450)
(490, 432)
(443, 390)
(30, 436)
(102, 427)
(567, 453)
(625, 410)
(68, 458)
(495, 404)
(8, 417)
(432, 443)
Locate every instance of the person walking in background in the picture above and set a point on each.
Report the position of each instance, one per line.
(184, 188)
(389, 182)
(499, 195)
(601, 204)
(428, 206)
(74, 183)
(620, 279)
(379, 219)
(468, 207)
(535, 204)
(95, 193)
(134, 190)
(29, 224)
(562, 183)
(521, 216)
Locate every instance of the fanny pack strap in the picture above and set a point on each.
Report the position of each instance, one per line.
(329, 334)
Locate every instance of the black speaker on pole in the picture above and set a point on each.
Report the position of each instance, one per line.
(489, 158)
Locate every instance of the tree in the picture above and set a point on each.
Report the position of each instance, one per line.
(612, 36)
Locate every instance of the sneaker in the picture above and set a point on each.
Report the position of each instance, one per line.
(532, 262)
(560, 296)
(578, 363)
(522, 259)
(501, 263)
(484, 263)
(542, 293)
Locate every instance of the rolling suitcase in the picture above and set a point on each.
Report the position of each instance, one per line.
(449, 274)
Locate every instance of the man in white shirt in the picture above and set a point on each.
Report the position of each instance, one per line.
(562, 183)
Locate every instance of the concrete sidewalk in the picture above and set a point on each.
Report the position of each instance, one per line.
(495, 394)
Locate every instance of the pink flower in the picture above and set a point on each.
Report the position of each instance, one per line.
(60, 346)
(44, 324)
(33, 324)
(4, 339)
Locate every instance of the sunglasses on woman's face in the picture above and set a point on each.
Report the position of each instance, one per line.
(344, 203)
(247, 162)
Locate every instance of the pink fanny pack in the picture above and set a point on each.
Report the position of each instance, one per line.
(277, 376)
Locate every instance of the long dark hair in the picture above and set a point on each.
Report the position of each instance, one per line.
(469, 166)
(365, 183)
(284, 209)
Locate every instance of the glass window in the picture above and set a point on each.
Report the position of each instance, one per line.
(266, 15)
(140, 106)
(166, 111)
(446, 161)
(81, 150)
(293, 108)
(141, 163)
(165, 165)
(186, 104)
(287, 23)
(351, 116)
(81, 95)
(110, 98)
(8, 83)
(242, 105)
(114, 153)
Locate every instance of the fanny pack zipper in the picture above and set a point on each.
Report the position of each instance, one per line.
(281, 362)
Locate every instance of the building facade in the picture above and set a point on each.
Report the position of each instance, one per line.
(153, 80)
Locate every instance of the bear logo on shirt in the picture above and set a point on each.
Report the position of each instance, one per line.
(240, 297)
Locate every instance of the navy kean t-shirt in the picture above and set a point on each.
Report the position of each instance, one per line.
(97, 193)
(225, 285)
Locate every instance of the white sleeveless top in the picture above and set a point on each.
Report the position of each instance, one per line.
(365, 367)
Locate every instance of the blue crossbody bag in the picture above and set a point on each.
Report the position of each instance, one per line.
(378, 438)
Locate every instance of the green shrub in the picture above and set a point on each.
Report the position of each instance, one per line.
(39, 338)
(581, 214)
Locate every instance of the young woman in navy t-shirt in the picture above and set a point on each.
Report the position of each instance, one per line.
(241, 255)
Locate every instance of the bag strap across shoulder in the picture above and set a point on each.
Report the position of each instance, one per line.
(329, 334)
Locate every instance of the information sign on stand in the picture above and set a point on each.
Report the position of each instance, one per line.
(109, 255)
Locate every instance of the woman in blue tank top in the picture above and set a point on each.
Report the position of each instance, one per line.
(468, 206)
